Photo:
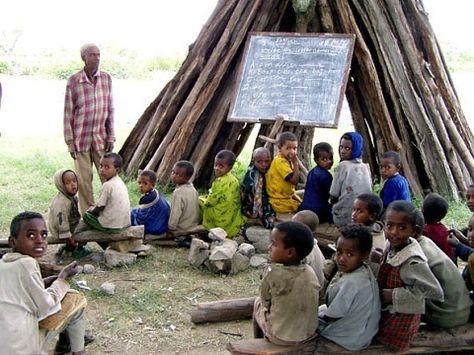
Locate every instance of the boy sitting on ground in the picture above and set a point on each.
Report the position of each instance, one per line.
(316, 192)
(315, 259)
(28, 298)
(286, 311)
(153, 211)
(111, 213)
(63, 213)
(351, 314)
(185, 214)
(221, 208)
(253, 190)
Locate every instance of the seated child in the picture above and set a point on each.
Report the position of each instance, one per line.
(352, 178)
(221, 208)
(394, 186)
(26, 300)
(153, 210)
(315, 259)
(466, 253)
(185, 213)
(111, 213)
(366, 210)
(286, 310)
(253, 190)
(351, 315)
(63, 212)
(405, 279)
(318, 183)
(455, 309)
(283, 175)
(434, 209)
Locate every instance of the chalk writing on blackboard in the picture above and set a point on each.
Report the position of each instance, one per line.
(300, 75)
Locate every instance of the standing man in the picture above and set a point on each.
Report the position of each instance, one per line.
(88, 120)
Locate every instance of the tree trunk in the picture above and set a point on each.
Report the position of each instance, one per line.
(400, 93)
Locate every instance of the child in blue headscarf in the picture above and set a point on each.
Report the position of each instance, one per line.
(351, 179)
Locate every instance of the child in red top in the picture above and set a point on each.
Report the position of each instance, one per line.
(434, 209)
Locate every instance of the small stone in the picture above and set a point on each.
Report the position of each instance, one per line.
(198, 252)
(257, 261)
(246, 249)
(88, 269)
(80, 269)
(217, 234)
(259, 237)
(224, 251)
(114, 258)
(239, 263)
(108, 288)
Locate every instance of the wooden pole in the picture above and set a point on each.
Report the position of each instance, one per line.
(223, 311)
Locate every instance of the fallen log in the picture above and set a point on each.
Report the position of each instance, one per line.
(90, 235)
(222, 311)
(427, 341)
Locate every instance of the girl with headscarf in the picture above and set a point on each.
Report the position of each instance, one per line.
(351, 179)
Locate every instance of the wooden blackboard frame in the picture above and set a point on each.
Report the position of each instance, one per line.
(234, 116)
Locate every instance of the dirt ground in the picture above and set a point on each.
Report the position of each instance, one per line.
(150, 310)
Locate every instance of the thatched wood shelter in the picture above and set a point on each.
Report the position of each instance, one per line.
(400, 93)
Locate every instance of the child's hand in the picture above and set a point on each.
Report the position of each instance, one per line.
(69, 271)
(387, 296)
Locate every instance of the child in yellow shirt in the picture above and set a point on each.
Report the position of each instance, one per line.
(283, 175)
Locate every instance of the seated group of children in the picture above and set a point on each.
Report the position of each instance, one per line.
(364, 296)
(385, 277)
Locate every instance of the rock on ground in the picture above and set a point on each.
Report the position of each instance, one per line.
(108, 288)
(246, 249)
(258, 260)
(259, 237)
(198, 252)
(114, 258)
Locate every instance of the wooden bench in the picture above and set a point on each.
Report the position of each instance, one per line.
(132, 232)
(427, 341)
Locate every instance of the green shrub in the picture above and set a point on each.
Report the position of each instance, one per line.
(165, 63)
(4, 67)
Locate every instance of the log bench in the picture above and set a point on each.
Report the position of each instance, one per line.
(427, 341)
(132, 232)
(168, 239)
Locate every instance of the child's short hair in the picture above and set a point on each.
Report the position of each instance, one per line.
(118, 161)
(308, 218)
(226, 155)
(393, 156)
(150, 174)
(321, 147)
(261, 150)
(435, 207)
(419, 221)
(374, 203)
(15, 224)
(361, 233)
(298, 236)
(284, 137)
(187, 166)
(404, 207)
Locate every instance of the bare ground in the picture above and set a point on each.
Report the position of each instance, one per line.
(150, 311)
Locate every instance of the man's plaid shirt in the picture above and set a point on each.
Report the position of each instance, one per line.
(88, 112)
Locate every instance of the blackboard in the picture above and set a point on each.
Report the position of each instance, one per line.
(300, 75)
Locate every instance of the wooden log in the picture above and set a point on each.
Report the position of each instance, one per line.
(132, 232)
(223, 311)
(264, 347)
(450, 340)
